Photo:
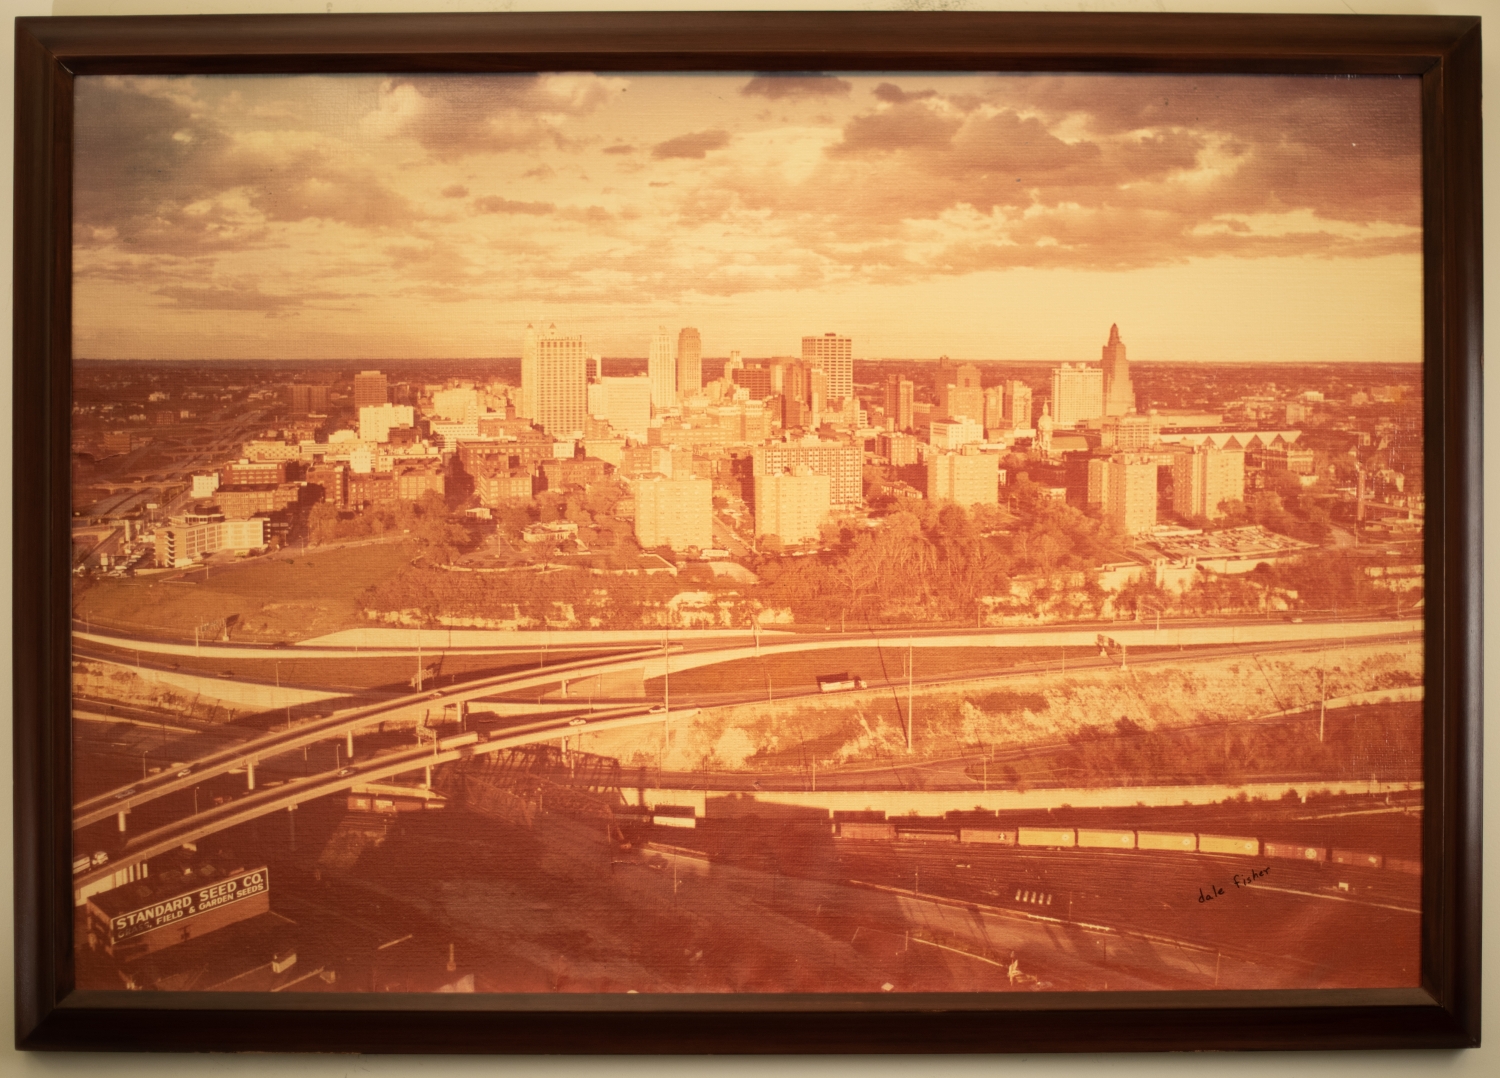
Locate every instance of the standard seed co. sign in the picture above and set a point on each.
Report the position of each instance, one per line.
(190, 904)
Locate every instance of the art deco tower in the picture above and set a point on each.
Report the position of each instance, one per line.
(662, 369)
(1119, 394)
(526, 408)
(689, 363)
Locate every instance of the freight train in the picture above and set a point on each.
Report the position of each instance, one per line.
(1094, 838)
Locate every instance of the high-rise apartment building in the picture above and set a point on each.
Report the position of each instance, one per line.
(370, 388)
(526, 406)
(689, 363)
(900, 395)
(1018, 404)
(623, 403)
(834, 356)
(1130, 497)
(561, 383)
(966, 477)
(791, 507)
(844, 465)
(676, 513)
(1205, 477)
(1119, 394)
(1077, 395)
(661, 368)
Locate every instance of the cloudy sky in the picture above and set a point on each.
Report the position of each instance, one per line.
(1006, 217)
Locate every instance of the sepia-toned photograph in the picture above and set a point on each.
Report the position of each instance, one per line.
(848, 532)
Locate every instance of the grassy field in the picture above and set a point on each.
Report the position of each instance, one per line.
(290, 598)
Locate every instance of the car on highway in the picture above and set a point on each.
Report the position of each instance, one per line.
(578, 722)
(185, 772)
(658, 710)
(434, 696)
(345, 772)
(124, 794)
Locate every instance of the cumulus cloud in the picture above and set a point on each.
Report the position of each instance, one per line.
(696, 145)
(779, 87)
(496, 204)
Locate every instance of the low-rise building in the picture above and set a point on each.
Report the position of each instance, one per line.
(188, 538)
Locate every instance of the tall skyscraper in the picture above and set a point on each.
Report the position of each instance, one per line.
(689, 363)
(732, 364)
(1119, 394)
(1206, 477)
(834, 356)
(900, 395)
(1077, 394)
(661, 367)
(561, 383)
(370, 388)
(1018, 404)
(1130, 494)
(526, 407)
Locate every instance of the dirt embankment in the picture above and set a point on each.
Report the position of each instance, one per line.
(867, 728)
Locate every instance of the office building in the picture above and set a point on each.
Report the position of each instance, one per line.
(1119, 394)
(732, 364)
(456, 405)
(1206, 477)
(756, 380)
(197, 535)
(1018, 404)
(967, 477)
(370, 388)
(1130, 495)
(561, 383)
(900, 394)
(676, 513)
(250, 472)
(834, 356)
(526, 406)
(661, 368)
(962, 397)
(377, 420)
(303, 399)
(843, 464)
(624, 403)
(689, 363)
(898, 448)
(949, 434)
(1077, 395)
(1128, 432)
(791, 507)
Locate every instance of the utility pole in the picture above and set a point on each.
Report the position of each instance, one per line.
(1323, 703)
(911, 670)
(419, 660)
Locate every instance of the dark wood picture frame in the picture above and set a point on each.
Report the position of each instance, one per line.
(1443, 1012)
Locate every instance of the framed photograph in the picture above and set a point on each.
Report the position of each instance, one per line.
(747, 532)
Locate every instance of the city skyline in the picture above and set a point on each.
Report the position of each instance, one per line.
(267, 217)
